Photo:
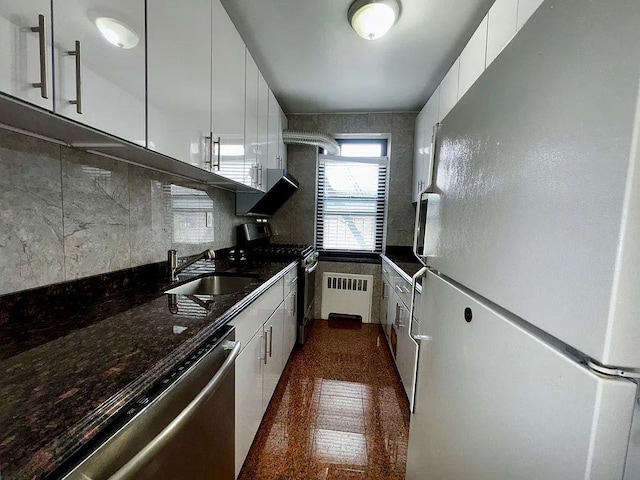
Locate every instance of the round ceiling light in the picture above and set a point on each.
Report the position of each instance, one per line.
(117, 33)
(371, 19)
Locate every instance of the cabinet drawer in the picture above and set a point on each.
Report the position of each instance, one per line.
(249, 321)
(387, 270)
(291, 281)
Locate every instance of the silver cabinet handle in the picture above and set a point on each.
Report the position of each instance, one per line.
(260, 175)
(78, 101)
(42, 42)
(217, 142)
(398, 288)
(295, 304)
(208, 163)
(153, 448)
(266, 342)
(405, 289)
(271, 340)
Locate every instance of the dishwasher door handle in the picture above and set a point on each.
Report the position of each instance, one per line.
(151, 450)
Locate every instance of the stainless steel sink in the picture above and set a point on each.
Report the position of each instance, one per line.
(215, 284)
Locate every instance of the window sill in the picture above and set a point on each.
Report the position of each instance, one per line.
(349, 257)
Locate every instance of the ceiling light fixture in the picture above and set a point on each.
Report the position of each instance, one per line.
(117, 33)
(371, 19)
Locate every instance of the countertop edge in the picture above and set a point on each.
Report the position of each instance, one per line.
(102, 415)
(401, 272)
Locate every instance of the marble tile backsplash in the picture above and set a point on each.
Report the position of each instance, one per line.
(68, 214)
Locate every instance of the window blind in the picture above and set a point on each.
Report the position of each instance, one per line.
(350, 212)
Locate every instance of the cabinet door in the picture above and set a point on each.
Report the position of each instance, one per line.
(275, 135)
(249, 379)
(407, 351)
(473, 59)
(418, 154)
(290, 324)
(263, 131)
(526, 8)
(228, 96)
(384, 308)
(100, 83)
(282, 148)
(25, 54)
(179, 112)
(430, 120)
(449, 90)
(501, 27)
(251, 122)
(274, 333)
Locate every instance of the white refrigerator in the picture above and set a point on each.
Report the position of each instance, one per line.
(529, 329)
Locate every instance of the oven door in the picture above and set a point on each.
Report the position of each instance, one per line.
(308, 286)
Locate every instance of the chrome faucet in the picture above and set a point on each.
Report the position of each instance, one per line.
(172, 262)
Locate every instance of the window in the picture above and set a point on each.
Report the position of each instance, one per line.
(350, 212)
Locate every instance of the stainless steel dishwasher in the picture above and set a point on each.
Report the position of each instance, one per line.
(182, 429)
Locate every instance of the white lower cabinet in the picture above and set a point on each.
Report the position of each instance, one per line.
(274, 333)
(249, 379)
(290, 323)
(267, 331)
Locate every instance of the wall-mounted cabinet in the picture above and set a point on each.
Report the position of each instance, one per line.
(251, 121)
(500, 25)
(276, 150)
(473, 59)
(181, 77)
(526, 8)
(228, 87)
(423, 157)
(179, 119)
(98, 83)
(263, 132)
(25, 51)
(449, 90)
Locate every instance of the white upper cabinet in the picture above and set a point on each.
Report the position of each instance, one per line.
(228, 97)
(275, 133)
(418, 154)
(251, 122)
(179, 85)
(263, 131)
(502, 26)
(25, 51)
(526, 9)
(99, 83)
(472, 59)
(449, 90)
(430, 120)
(282, 148)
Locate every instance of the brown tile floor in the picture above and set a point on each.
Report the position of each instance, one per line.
(339, 412)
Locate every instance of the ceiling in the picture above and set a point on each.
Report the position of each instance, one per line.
(315, 63)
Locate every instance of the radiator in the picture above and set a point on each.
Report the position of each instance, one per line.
(344, 293)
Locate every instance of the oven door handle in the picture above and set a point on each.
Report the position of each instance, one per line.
(311, 269)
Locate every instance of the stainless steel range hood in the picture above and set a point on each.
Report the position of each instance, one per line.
(280, 186)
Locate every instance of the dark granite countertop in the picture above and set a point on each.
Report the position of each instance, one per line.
(406, 262)
(58, 390)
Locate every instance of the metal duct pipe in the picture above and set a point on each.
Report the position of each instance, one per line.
(312, 138)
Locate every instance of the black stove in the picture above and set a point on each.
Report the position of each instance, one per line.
(279, 251)
(254, 239)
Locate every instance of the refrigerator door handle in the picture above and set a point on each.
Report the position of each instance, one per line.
(613, 371)
(416, 338)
